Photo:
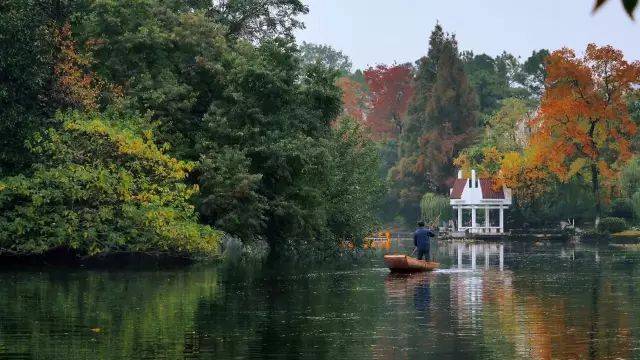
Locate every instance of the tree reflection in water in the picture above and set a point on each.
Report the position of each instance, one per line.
(549, 301)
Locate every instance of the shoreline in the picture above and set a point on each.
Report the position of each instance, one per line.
(67, 258)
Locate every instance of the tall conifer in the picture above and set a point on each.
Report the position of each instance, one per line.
(442, 120)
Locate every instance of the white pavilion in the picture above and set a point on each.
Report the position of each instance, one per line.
(480, 206)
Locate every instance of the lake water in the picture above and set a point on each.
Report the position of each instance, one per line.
(514, 301)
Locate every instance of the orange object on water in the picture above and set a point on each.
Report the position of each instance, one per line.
(404, 263)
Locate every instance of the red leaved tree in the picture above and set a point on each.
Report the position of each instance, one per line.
(391, 89)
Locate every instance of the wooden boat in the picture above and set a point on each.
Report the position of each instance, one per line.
(404, 263)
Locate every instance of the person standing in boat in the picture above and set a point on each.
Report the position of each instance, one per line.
(421, 239)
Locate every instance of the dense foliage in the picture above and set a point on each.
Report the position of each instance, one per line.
(441, 120)
(566, 154)
(391, 89)
(27, 43)
(246, 126)
(98, 186)
(435, 209)
(326, 56)
(228, 124)
(583, 126)
(612, 225)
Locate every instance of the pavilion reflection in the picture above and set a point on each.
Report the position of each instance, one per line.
(474, 256)
(515, 320)
(545, 323)
(501, 303)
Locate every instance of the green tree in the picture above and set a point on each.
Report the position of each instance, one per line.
(507, 129)
(534, 73)
(355, 187)
(168, 59)
(452, 119)
(633, 101)
(441, 121)
(495, 79)
(229, 197)
(27, 45)
(223, 86)
(435, 208)
(257, 20)
(630, 177)
(409, 178)
(101, 185)
(490, 78)
(325, 55)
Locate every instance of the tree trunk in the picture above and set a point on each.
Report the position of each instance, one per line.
(596, 191)
(397, 122)
(594, 175)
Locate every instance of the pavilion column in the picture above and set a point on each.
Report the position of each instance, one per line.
(473, 218)
(486, 219)
(459, 218)
(501, 219)
(473, 256)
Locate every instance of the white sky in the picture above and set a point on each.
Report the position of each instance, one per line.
(371, 32)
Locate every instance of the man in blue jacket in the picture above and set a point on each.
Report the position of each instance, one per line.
(421, 240)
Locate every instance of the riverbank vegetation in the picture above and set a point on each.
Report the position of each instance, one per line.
(165, 126)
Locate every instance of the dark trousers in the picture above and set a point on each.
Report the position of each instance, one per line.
(423, 253)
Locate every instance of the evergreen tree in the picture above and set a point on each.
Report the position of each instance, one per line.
(427, 71)
(452, 115)
(534, 72)
(441, 121)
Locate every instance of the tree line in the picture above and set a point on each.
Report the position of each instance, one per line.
(557, 128)
(162, 125)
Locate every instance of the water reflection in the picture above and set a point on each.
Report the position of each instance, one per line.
(491, 301)
(467, 254)
(101, 315)
(398, 286)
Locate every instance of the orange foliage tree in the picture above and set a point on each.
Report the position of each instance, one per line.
(583, 125)
(75, 85)
(527, 178)
(354, 99)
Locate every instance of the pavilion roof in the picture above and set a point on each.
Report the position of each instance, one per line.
(489, 191)
(458, 188)
(486, 184)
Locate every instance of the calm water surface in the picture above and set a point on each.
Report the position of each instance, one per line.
(513, 301)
